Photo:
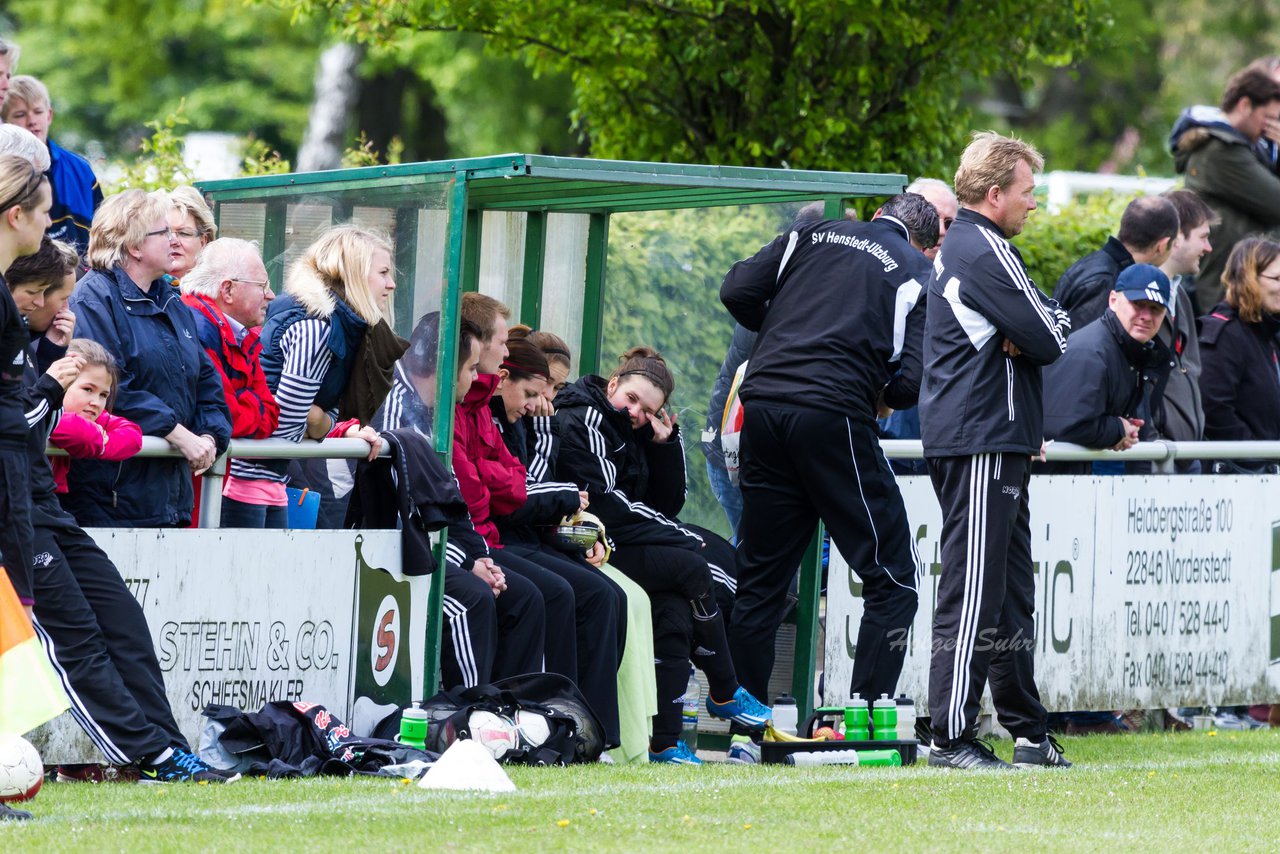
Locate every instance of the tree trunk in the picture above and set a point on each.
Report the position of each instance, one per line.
(337, 90)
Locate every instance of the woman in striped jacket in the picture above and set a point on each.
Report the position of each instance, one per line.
(328, 355)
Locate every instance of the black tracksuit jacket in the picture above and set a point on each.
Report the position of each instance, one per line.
(831, 301)
(975, 398)
(637, 486)
(535, 442)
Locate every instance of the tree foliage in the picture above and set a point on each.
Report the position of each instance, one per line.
(838, 84)
(1054, 240)
(113, 66)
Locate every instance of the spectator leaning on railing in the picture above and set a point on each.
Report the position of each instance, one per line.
(1104, 390)
(168, 385)
(1239, 382)
(1180, 417)
(328, 354)
(228, 294)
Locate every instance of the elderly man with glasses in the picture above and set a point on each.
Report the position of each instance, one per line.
(228, 293)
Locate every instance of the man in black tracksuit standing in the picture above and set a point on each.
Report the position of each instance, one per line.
(831, 301)
(988, 332)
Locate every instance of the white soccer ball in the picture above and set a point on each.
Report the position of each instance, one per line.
(533, 728)
(495, 733)
(21, 771)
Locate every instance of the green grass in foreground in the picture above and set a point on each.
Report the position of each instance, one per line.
(1146, 791)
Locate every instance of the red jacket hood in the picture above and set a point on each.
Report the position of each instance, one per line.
(481, 390)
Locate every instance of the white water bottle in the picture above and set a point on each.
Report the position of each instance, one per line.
(812, 759)
(691, 700)
(786, 717)
(906, 717)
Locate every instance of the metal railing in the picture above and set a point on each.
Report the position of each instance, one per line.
(1163, 454)
(257, 449)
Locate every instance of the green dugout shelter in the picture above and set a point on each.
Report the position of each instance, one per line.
(534, 232)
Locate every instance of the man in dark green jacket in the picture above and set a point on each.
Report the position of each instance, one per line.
(1216, 152)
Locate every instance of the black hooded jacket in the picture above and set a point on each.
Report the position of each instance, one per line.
(637, 485)
(415, 489)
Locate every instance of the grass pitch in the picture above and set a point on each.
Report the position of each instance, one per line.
(1154, 792)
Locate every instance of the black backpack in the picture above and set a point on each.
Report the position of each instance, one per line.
(575, 731)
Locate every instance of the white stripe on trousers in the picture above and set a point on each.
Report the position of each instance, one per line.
(78, 709)
(871, 520)
(463, 652)
(918, 576)
(971, 603)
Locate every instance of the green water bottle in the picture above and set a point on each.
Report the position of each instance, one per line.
(884, 718)
(857, 718)
(873, 758)
(413, 727)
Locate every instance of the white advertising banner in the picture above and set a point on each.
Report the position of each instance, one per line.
(243, 618)
(1150, 591)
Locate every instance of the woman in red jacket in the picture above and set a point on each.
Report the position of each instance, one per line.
(586, 643)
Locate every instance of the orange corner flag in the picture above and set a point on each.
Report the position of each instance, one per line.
(29, 691)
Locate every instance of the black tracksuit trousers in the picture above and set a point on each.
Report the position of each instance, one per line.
(984, 624)
(97, 638)
(489, 637)
(15, 515)
(685, 588)
(600, 623)
(798, 466)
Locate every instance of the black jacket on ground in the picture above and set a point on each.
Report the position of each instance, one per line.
(1239, 380)
(830, 300)
(1085, 288)
(637, 486)
(975, 398)
(1104, 375)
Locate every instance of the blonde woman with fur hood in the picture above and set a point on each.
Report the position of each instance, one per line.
(328, 354)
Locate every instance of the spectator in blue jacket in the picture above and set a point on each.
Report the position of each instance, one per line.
(76, 194)
(168, 385)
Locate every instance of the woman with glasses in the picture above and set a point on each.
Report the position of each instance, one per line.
(193, 228)
(1239, 353)
(167, 384)
(328, 353)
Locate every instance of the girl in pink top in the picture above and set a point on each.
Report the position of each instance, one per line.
(86, 430)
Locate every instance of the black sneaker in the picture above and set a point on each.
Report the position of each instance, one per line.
(8, 813)
(1048, 753)
(969, 755)
(182, 766)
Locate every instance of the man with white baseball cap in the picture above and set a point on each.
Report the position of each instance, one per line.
(1104, 389)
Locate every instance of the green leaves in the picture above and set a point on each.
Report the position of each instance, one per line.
(833, 85)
